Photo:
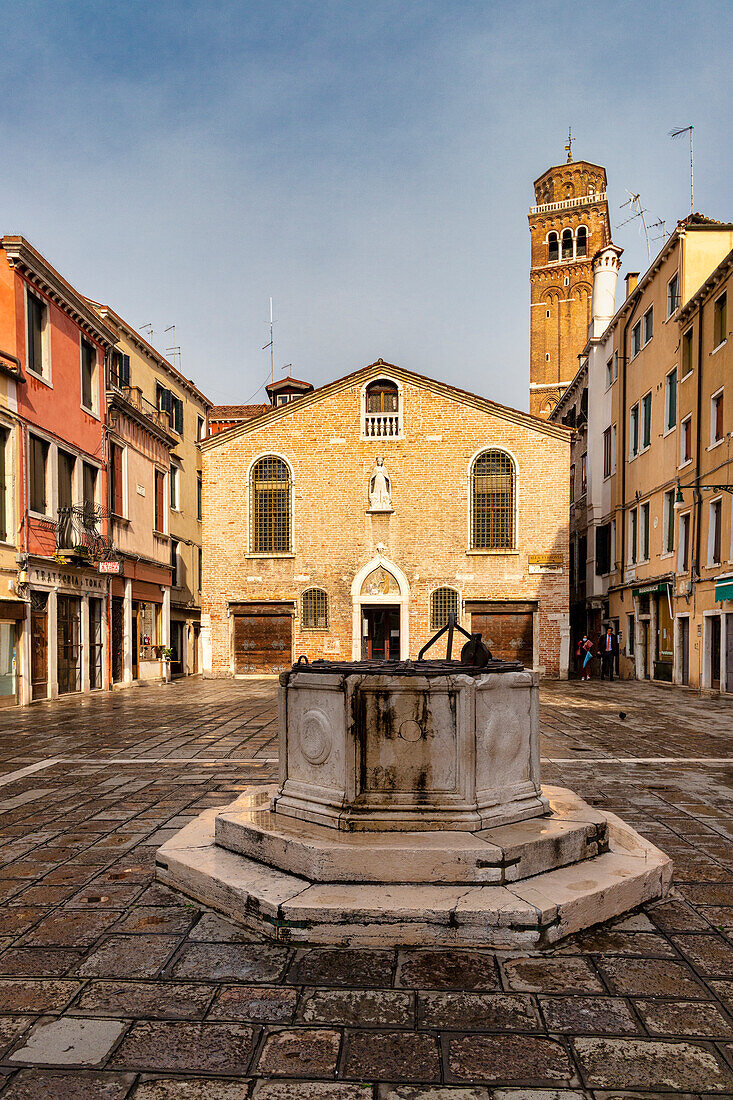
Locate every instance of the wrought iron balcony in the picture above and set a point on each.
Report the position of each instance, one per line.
(129, 399)
(79, 533)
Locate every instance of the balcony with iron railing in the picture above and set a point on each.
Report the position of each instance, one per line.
(382, 425)
(79, 534)
(130, 400)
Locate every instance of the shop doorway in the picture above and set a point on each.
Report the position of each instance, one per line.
(196, 638)
(177, 636)
(118, 639)
(68, 642)
(39, 645)
(8, 663)
(684, 650)
(729, 652)
(95, 644)
(380, 633)
(715, 652)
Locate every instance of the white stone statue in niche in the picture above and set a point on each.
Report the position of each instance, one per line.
(380, 486)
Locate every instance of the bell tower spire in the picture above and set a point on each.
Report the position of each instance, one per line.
(568, 226)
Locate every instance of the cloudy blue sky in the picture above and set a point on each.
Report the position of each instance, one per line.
(369, 165)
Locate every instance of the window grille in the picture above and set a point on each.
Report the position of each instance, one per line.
(314, 613)
(492, 504)
(270, 506)
(442, 602)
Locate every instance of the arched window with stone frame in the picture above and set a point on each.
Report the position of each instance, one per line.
(314, 609)
(383, 415)
(442, 602)
(271, 506)
(493, 501)
(553, 248)
(567, 244)
(581, 242)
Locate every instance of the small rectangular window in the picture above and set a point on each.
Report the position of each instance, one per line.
(174, 564)
(159, 501)
(115, 480)
(201, 568)
(173, 482)
(716, 418)
(38, 472)
(607, 453)
(572, 482)
(633, 533)
(609, 372)
(37, 314)
(199, 497)
(714, 532)
(720, 320)
(89, 487)
(633, 431)
(200, 428)
(88, 374)
(686, 352)
(686, 440)
(646, 419)
(5, 490)
(670, 400)
(177, 413)
(683, 549)
(636, 339)
(669, 521)
(120, 374)
(644, 531)
(613, 448)
(630, 630)
(583, 474)
(648, 325)
(673, 294)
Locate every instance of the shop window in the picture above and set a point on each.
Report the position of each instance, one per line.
(314, 609)
(39, 474)
(270, 507)
(443, 601)
(492, 501)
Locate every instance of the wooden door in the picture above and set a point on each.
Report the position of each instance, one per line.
(118, 642)
(39, 649)
(715, 653)
(68, 644)
(263, 641)
(508, 634)
(95, 643)
(685, 645)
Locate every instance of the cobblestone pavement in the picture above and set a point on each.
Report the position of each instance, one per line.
(113, 987)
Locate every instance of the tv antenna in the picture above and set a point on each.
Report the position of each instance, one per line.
(634, 201)
(678, 133)
(271, 346)
(661, 225)
(175, 351)
(147, 328)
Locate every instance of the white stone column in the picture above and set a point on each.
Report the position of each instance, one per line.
(53, 652)
(106, 651)
(127, 633)
(85, 643)
(564, 626)
(205, 643)
(165, 628)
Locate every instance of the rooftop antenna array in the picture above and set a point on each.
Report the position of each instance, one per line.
(147, 329)
(678, 133)
(175, 350)
(661, 225)
(634, 201)
(271, 346)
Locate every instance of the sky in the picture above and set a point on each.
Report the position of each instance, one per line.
(369, 166)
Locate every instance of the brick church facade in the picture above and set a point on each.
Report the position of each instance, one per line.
(313, 546)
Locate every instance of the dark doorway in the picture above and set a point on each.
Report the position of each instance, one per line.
(95, 644)
(118, 639)
(196, 636)
(380, 633)
(39, 645)
(685, 650)
(177, 636)
(68, 641)
(715, 652)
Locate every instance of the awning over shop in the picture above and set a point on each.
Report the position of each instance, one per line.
(651, 589)
(724, 589)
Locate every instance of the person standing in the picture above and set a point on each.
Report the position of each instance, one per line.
(586, 649)
(608, 647)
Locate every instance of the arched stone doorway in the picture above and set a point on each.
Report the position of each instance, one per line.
(380, 596)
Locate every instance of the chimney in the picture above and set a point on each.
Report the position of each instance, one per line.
(632, 278)
(606, 264)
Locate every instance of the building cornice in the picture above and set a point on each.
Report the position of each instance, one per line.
(24, 257)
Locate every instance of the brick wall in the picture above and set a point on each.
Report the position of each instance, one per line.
(427, 534)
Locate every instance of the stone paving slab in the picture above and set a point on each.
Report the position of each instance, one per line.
(199, 1008)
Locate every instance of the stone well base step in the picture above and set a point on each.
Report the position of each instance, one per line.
(537, 910)
(499, 855)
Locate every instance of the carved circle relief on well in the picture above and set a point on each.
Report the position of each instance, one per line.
(315, 737)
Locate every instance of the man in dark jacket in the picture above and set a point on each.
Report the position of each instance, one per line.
(608, 650)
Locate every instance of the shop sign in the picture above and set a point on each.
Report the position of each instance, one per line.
(110, 566)
(545, 563)
(58, 577)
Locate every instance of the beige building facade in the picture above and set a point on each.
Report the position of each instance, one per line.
(348, 523)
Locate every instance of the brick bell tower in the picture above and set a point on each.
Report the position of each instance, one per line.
(567, 227)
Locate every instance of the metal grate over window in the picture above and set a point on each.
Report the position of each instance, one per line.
(492, 502)
(314, 613)
(442, 602)
(270, 507)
